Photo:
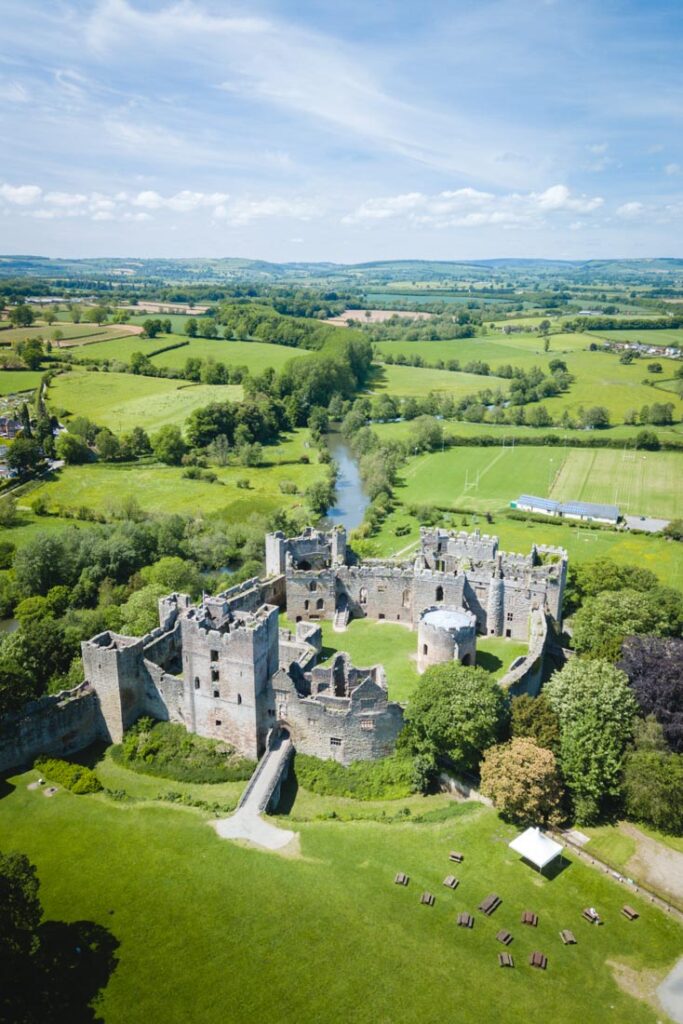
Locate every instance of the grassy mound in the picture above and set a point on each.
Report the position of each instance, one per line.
(169, 752)
(388, 779)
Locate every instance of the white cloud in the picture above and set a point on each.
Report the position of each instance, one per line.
(468, 207)
(14, 92)
(21, 195)
(137, 206)
(630, 211)
(672, 169)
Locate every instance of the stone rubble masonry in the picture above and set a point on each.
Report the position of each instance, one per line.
(224, 669)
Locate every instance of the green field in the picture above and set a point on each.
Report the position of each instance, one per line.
(638, 482)
(122, 401)
(644, 337)
(600, 378)
(84, 332)
(402, 381)
(256, 355)
(178, 320)
(14, 381)
(504, 433)
(209, 930)
(163, 489)
(123, 348)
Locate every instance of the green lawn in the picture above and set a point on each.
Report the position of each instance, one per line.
(163, 489)
(638, 482)
(646, 337)
(460, 428)
(496, 653)
(402, 381)
(123, 348)
(209, 930)
(122, 401)
(14, 381)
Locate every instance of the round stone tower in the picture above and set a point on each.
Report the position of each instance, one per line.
(446, 634)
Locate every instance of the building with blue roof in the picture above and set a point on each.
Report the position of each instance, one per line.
(585, 511)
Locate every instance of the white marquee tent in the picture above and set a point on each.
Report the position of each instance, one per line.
(536, 847)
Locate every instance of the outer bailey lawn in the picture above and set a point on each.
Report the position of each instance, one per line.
(209, 930)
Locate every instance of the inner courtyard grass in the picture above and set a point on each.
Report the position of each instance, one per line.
(210, 930)
(122, 401)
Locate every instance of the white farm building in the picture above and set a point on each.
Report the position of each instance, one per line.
(586, 511)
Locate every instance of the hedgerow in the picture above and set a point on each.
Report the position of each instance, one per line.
(75, 777)
(391, 778)
(168, 751)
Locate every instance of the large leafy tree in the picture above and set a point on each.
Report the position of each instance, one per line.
(654, 668)
(523, 780)
(653, 789)
(168, 445)
(455, 715)
(597, 710)
(602, 623)
(534, 718)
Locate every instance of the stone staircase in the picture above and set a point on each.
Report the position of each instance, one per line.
(341, 619)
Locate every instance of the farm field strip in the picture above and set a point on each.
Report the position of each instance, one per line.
(404, 381)
(15, 381)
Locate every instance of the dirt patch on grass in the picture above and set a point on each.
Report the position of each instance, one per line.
(641, 985)
(659, 866)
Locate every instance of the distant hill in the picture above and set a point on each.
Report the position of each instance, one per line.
(437, 272)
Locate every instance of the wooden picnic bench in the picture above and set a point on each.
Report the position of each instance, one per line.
(538, 960)
(505, 960)
(451, 882)
(504, 937)
(591, 916)
(528, 917)
(401, 879)
(629, 912)
(568, 937)
(465, 920)
(490, 904)
(455, 856)
(427, 899)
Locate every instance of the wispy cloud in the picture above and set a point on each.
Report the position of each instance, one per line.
(467, 207)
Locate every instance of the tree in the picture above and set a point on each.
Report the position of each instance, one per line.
(140, 613)
(602, 623)
(655, 672)
(44, 561)
(455, 715)
(596, 417)
(534, 718)
(191, 327)
(523, 781)
(72, 449)
(647, 439)
(43, 648)
(674, 529)
(31, 351)
(427, 433)
(596, 710)
(108, 445)
(9, 515)
(173, 574)
(168, 445)
(24, 455)
(653, 789)
(320, 497)
(96, 315)
(21, 315)
(152, 328)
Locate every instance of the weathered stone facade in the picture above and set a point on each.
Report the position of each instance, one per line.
(446, 634)
(230, 673)
(458, 570)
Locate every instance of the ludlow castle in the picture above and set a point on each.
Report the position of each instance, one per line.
(225, 669)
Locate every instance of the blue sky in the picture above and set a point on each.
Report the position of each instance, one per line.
(345, 131)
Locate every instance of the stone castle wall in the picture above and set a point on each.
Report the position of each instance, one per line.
(58, 725)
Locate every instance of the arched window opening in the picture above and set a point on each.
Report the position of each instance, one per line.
(439, 593)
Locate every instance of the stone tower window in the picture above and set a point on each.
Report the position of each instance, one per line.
(312, 585)
(196, 682)
(218, 721)
(367, 724)
(306, 604)
(510, 616)
(363, 596)
(439, 593)
(320, 603)
(239, 698)
(216, 693)
(425, 649)
(214, 655)
(406, 599)
(335, 741)
(215, 675)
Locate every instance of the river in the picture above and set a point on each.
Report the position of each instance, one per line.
(350, 495)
